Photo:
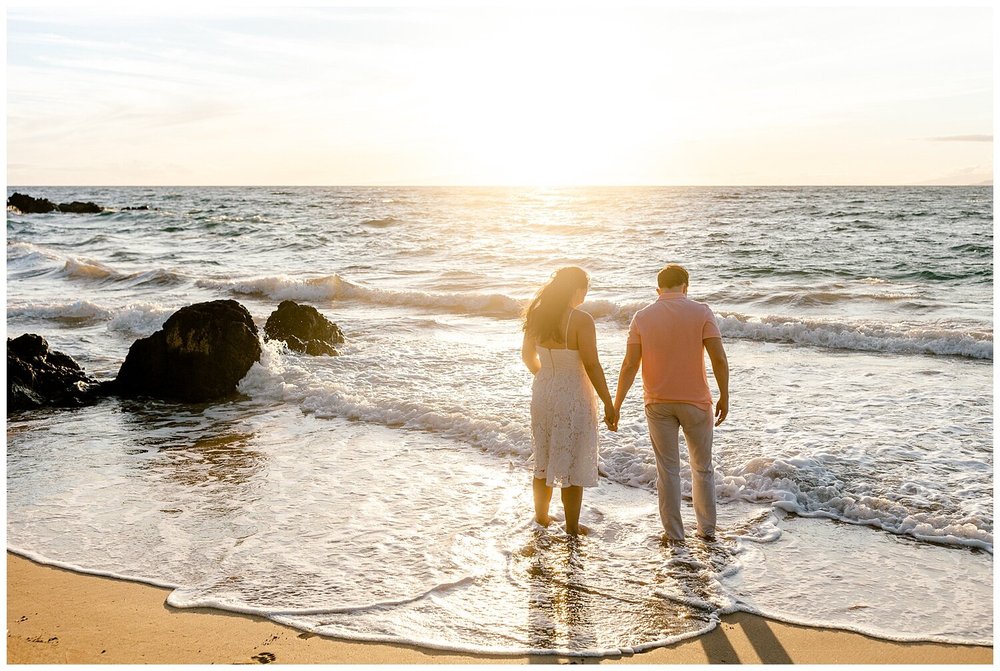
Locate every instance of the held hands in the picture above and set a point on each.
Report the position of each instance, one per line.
(611, 417)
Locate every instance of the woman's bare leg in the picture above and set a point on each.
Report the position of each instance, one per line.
(572, 500)
(543, 496)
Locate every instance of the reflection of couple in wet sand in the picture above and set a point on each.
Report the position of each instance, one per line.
(667, 339)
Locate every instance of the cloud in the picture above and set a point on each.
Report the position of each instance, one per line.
(961, 138)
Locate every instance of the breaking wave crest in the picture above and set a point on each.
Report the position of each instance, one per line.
(335, 287)
(140, 319)
(88, 269)
(80, 311)
(863, 337)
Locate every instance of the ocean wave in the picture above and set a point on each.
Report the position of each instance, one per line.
(814, 298)
(335, 287)
(807, 488)
(619, 312)
(23, 255)
(857, 336)
(829, 295)
(864, 337)
(88, 269)
(27, 255)
(141, 319)
(80, 311)
(972, 248)
(941, 276)
(134, 319)
(384, 222)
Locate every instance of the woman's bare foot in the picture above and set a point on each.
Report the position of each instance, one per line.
(580, 531)
(542, 495)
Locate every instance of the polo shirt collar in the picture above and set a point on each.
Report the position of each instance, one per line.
(669, 295)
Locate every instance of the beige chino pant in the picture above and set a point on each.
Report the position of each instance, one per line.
(664, 420)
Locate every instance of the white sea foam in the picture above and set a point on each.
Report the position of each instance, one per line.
(280, 378)
(801, 485)
(806, 487)
(139, 319)
(862, 336)
(844, 586)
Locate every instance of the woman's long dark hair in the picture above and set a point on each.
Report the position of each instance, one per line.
(543, 317)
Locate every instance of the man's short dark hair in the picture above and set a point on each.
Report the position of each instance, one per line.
(672, 275)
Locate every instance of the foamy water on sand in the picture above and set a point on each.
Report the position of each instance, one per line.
(383, 494)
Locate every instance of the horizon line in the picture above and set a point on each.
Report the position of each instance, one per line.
(499, 186)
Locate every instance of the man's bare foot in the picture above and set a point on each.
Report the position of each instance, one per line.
(580, 531)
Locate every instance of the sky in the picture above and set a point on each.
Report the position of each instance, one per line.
(420, 95)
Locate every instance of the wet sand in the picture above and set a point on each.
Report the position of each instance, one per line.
(58, 616)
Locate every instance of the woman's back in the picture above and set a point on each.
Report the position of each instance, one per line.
(570, 341)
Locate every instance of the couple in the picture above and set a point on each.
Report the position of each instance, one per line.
(668, 339)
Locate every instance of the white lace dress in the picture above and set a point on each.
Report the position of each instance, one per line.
(564, 420)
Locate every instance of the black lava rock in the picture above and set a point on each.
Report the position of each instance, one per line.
(200, 355)
(39, 377)
(80, 208)
(303, 328)
(29, 205)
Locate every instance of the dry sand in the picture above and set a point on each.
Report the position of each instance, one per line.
(58, 616)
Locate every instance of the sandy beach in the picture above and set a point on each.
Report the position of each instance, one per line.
(58, 616)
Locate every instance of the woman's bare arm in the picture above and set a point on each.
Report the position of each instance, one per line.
(529, 355)
(586, 338)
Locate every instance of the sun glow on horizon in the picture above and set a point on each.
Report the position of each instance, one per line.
(501, 96)
(566, 105)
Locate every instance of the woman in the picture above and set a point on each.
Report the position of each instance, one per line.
(560, 349)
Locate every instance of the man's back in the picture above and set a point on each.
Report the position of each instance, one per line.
(671, 332)
(668, 339)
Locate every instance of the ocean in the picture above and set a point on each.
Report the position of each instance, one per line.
(384, 494)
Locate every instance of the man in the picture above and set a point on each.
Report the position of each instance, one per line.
(668, 338)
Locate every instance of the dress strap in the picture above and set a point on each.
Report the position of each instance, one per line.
(566, 335)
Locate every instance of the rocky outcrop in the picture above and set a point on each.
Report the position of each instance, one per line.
(77, 207)
(28, 205)
(200, 355)
(304, 329)
(38, 376)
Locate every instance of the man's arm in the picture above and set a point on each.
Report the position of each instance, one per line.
(720, 368)
(626, 376)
